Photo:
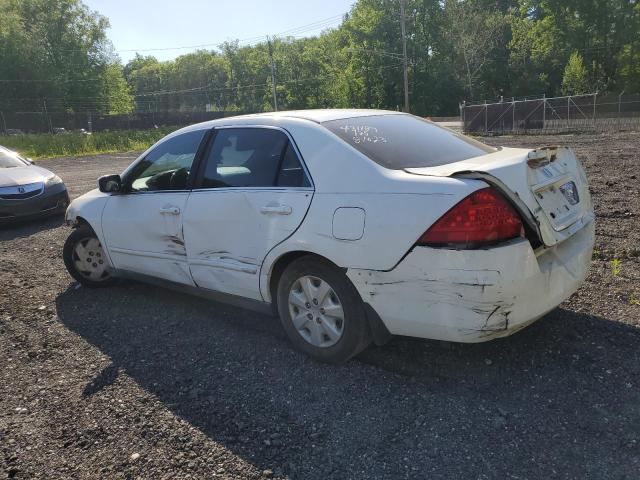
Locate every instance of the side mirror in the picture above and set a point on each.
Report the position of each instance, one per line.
(29, 161)
(110, 184)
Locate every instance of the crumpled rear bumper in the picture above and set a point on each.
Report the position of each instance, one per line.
(475, 295)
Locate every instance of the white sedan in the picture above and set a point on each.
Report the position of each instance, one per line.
(352, 225)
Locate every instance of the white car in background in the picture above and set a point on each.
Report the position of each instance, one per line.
(351, 224)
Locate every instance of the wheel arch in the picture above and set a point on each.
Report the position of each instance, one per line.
(280, 264)
(80, 221)
(379, 332)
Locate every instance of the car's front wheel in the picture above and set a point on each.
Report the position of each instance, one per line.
(321, 310)
(85, 259)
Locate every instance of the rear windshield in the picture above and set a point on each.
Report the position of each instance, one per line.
(405, 141)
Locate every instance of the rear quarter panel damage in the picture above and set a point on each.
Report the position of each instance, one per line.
(475, 295)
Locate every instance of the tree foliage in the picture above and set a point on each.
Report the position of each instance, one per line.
(575, 80)
(56, 53)
(457, 50)
(475, 34)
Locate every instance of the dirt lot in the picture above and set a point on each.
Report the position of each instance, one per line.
(139, 382)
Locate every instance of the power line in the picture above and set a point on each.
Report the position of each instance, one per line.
(54, 80)
(324, 23)
(313, 26)
(376, 52)
(294, 31)
(379, 52)
(191, 91)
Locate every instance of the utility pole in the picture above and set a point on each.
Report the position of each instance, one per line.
(619, 109)
(4, 122)
(46, 116)
(273, 75)
(404, 58)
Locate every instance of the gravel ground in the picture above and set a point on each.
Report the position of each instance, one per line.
(139, 382)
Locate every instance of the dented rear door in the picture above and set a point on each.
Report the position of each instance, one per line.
(253, 194)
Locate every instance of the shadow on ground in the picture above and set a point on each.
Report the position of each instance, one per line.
(26, 228)
(559, 399)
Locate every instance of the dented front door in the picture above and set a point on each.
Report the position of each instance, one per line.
(143, 233)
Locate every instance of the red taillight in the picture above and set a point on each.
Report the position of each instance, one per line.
(484, 217)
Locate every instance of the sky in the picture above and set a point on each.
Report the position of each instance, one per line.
(142, 26)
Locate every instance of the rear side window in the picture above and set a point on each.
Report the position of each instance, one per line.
(291, 173)
(252, 157)
(405, 141)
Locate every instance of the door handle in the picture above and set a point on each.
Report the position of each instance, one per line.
(276, 209)
(170, 211)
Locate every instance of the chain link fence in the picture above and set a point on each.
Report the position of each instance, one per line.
(13, 123)
(594, 112)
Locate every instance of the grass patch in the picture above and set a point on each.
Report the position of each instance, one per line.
(37, 146)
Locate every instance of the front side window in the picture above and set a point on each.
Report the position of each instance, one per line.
(168, 165)
(252, 157)
(404, 141)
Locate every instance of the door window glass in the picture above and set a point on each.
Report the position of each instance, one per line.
(167, 166)
(291, 173)
(252, 157)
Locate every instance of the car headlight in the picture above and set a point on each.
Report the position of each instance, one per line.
(55, 180)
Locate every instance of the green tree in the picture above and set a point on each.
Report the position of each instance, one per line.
(546, 32)
(457, 50)
(137, 63)
(628, 59)
(575, 80)
(57, 51)
(475, 34)
(629, 68)
(115, 90)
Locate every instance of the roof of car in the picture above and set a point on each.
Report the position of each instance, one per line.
(272, 118)
(276, 118)
(323, 115)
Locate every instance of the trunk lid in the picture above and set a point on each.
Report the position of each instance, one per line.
(547, 184)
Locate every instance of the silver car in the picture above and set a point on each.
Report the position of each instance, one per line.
(28, 191)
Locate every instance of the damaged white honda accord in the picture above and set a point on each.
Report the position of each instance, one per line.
(351, 225)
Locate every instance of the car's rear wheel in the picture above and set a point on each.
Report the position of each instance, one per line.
(85, 259)
(321, 311)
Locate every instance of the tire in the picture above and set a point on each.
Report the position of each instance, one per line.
(317, 329)
(90, 274)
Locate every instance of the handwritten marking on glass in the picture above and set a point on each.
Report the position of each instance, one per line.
(363, 134)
